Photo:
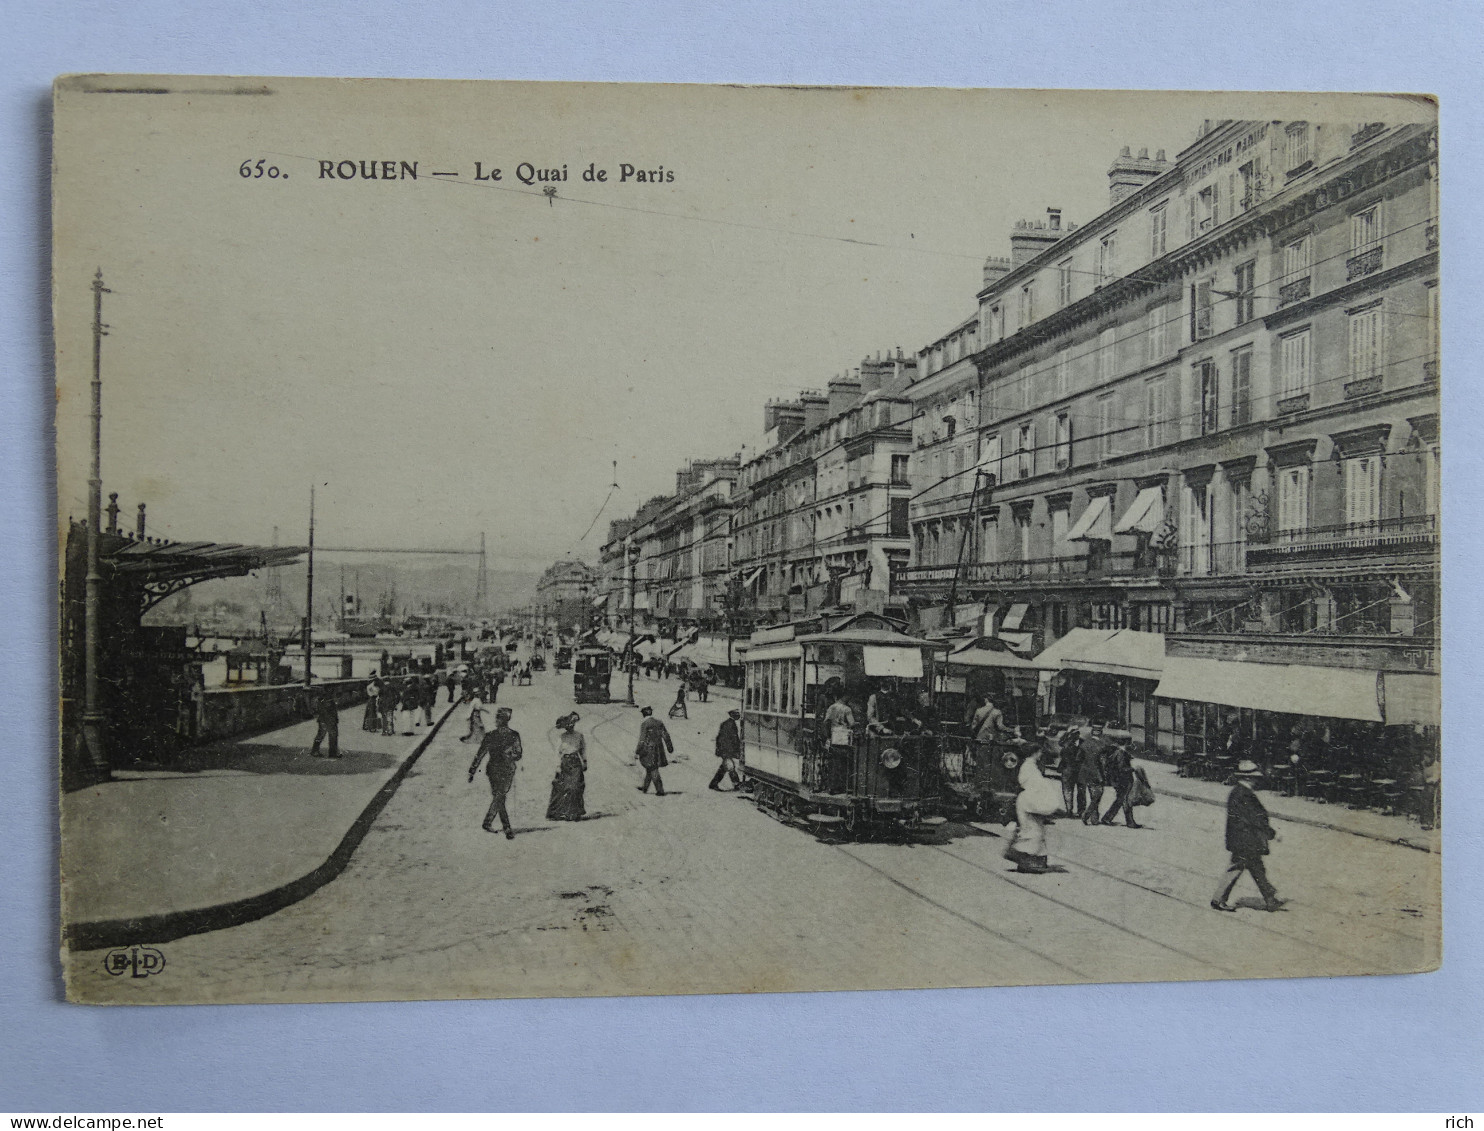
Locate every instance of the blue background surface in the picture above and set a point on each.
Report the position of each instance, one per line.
(1398, 1043)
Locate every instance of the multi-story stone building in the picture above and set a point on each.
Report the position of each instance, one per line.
(1210, 415)
(564, 595)
(820, 514)
(675, 546)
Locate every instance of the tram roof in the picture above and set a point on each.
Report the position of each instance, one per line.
(873, 636)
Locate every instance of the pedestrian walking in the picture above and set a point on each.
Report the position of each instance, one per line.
(570, 784)
(1118, 771)
(1037, 800)
(497, 677)
(476, 721)
(1090, 774)
(1248, 834)
(430, 697)
(328, 717)
(653, 750)
(503, 749)
(729, 750)
(371, 720)
(407, 706)
(678, 708)
(1070, 750)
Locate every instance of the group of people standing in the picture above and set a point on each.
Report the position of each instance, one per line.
(399, 704)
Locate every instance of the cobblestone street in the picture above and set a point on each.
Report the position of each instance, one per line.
(701, 892)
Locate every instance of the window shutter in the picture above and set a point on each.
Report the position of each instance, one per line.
(1215, 204)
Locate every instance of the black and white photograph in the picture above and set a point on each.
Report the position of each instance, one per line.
(555, 540)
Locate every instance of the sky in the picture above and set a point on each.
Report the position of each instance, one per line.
(450, 356)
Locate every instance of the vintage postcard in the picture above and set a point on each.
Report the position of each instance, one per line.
(529, 539)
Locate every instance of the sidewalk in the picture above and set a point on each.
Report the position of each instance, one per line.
(1301, 810)
(249, 826)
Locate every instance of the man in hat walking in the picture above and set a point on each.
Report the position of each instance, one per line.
(728, 749)
(1248, 833)
(328, 718)
(502, 745)
(654, 746)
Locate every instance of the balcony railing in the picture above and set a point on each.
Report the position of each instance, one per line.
(1410, 533)
(1216, 559)
(1366, 263)
(1430, 370)
(1089, 567)
(1296, 291)
(1297, 403)
(1366, 132)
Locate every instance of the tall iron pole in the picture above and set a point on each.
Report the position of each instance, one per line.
(631, 559)
(963, 543)
(308, 633)
(92, 710)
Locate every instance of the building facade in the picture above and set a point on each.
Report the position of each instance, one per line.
(1210, 413)
(820, 514)
(564, 595)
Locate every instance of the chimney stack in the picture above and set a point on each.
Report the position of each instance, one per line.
(1128, 174)
(1030, 238)
(995, 269)
(843, 392)
(816, 408)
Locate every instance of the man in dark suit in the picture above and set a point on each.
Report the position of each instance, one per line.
(328, 717)
(654, 746)
(728, 749)
(1118, 771)
(502, 745)
(1090, 772)
(1248, 833)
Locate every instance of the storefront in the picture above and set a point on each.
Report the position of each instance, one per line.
(1109, 675)
(986, 667)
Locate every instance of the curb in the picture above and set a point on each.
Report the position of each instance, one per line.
(1401, 842)
(106, 933)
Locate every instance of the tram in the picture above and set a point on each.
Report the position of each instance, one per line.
(592, 664)
(874, 765)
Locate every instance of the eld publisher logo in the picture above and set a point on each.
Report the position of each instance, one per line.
(135, 961)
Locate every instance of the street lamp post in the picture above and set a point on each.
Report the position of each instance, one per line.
(631, 556)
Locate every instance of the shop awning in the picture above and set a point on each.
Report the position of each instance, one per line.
(983, 654)
(1012, 620)
(600, 601)
(903, 662)
(752, 577)
(1294, 689)
(1113, 651)
(1413, 699)
(1096, 523)
(1145, 515)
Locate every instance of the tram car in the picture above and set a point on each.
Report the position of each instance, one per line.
(880, 767)
(592, 665)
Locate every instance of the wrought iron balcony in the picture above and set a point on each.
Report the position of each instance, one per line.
(1366, 263)
(1299, 403)
(1081, 568)
(1409, 535)
(1296, 291)
(1430, 370)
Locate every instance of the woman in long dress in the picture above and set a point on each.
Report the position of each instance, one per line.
(372, 719)
(476, 721)
(570, 783)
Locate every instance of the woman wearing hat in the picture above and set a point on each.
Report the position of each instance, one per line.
(570, 783)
